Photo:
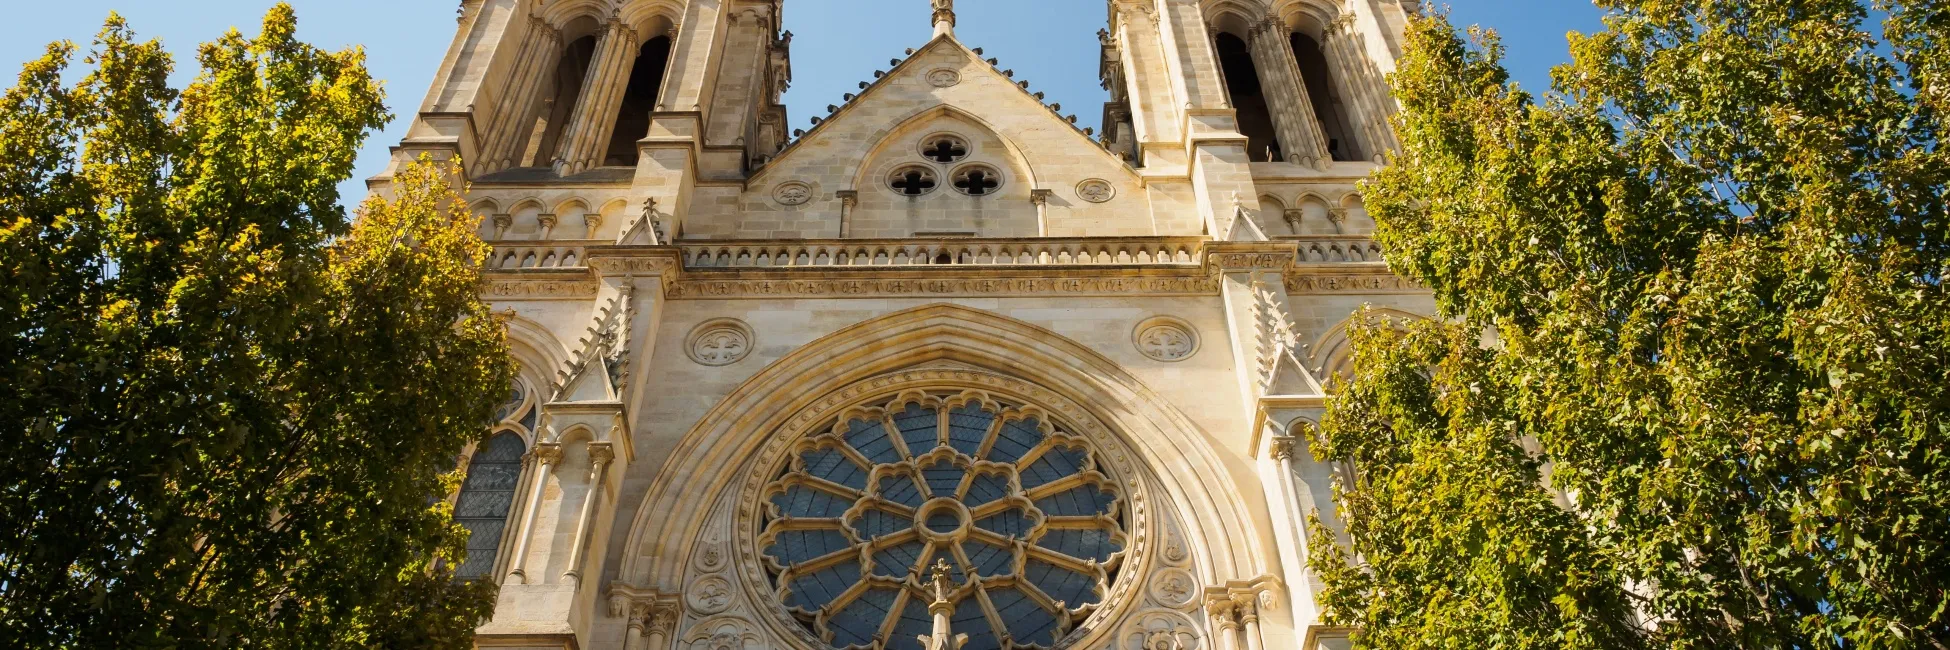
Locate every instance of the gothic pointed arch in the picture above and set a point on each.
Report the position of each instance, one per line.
(1332, 355)
(1196, 503)
(929, 119)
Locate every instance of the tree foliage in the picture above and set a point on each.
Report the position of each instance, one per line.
(1691, 386)
(230, 413)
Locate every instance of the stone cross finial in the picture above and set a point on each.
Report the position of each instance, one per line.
(944, 17)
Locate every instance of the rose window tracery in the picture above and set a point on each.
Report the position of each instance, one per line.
(1033, 529)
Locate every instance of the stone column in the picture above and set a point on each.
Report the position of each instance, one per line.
(663, 622)
(1246, 606)
(1369, 104)
(848, 199)
(1225, 624)
(600, 453)
(587, 138)
(546, 454)
(633, 634)
(514, 110)
(1041, 199)
(1294, 121)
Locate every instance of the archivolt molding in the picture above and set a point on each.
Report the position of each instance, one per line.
(1159, 457)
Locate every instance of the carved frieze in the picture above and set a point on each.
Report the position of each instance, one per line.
(971, 286)
(538, 289)
(1351, 283)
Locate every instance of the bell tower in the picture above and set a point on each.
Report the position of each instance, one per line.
(646, 96)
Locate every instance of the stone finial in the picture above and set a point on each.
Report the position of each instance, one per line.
(944, 18)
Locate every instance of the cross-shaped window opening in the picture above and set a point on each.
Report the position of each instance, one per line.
(913, 182)
(976, 182)
(946, 150)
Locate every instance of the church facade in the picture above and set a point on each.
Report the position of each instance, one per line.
(936, 369)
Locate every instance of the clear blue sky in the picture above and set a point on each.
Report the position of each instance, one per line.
(1050, 43)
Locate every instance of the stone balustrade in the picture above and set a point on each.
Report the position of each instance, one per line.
(1126, 251)
(557, 254)
(1150, 251)
(1332, 249)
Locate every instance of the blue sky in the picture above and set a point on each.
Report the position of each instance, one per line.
(1050, 43)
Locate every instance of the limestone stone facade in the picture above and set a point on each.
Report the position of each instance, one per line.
(940, 363)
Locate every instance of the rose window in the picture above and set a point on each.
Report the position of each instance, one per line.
(1021, 512)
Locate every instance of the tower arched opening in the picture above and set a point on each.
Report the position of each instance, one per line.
(1328, 109)
(560, 90)
(639, 100)
(1248, 97)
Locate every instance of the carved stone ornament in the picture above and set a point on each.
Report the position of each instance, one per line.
(721, 633)
(709, 595)
(1175, 588)
(1096, 190)
(719, 342)
(1367, 283)
(1107, 465)
(944, 77)
(711, 554)
(529, 289)
(1159, 630)
(792, 193)
(1166, 339)
(1195, 285)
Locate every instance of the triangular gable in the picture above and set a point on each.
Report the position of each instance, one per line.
(872, 103)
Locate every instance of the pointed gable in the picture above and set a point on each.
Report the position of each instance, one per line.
(1016, 168)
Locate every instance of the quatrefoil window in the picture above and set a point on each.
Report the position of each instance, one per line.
(913, 180)
(977, 180)
(1033, 530)
(944, 148)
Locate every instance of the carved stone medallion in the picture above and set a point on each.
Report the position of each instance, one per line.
(1159, 630)
(720, 342)
(944, 77)
(1096, 190)
(1166, 339)
(709, 595)
(792, 193)
(1174, 588)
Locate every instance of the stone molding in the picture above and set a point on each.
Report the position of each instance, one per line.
(1202, 278)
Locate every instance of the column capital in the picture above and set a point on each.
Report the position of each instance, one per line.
(601, 453)
(547, 453)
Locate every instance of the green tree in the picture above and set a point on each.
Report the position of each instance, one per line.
(230, 413)
(1690, 387)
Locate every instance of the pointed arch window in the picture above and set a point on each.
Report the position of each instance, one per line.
(1328, 109)
(639, 100)
(1248, 97)
(493, 476)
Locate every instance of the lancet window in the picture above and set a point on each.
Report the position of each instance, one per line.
(560, 90)
(1332, 115)
(639, 100)
(493, 474)
(1248, 97)
(1031, 527)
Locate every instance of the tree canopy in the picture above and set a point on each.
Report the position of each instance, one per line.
(1690, 383)
(231, 413)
